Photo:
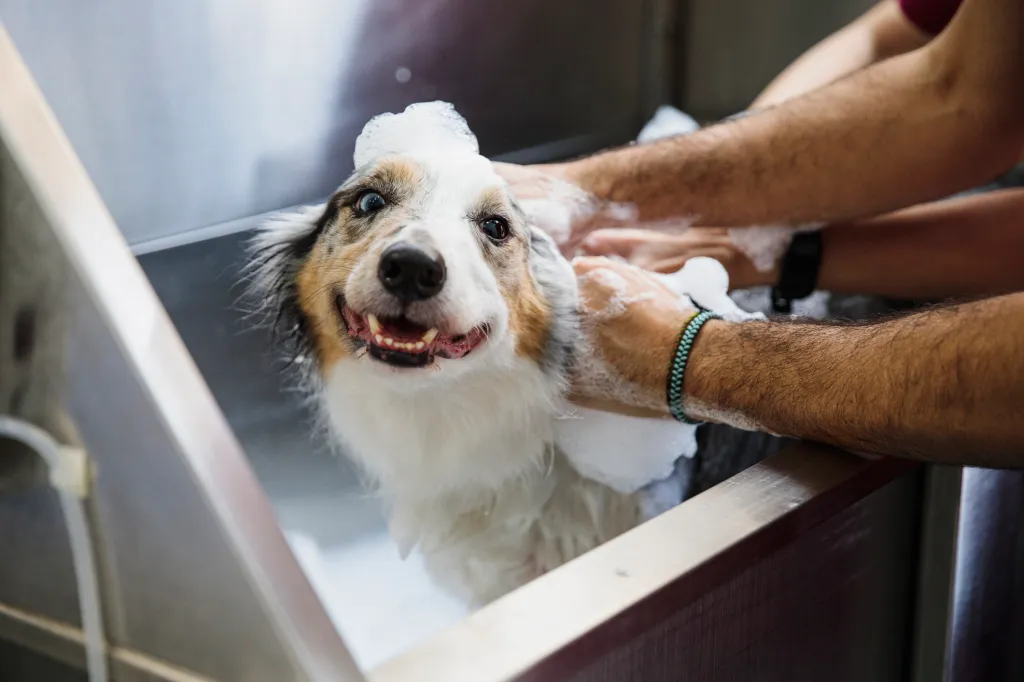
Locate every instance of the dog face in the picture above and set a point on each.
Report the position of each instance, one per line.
(431, 319)
(416, 267)
(419, 269)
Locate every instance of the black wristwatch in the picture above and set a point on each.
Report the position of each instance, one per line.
(798, 276)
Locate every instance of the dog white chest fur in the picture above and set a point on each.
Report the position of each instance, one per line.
(470, 474)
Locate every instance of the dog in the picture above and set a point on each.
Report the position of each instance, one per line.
(440, 330)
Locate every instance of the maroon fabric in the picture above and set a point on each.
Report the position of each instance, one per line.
(930, 16)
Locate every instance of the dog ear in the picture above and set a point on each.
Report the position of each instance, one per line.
(556, 281)
(543, 247)
(547, 262)
(276, 252)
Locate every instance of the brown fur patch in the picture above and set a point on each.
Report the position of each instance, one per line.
(529, 315)
(318, 283)
(340, 248)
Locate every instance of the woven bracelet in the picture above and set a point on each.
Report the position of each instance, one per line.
(677, 370)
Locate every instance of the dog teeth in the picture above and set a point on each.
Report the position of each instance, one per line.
(377, 331)
(388, 342)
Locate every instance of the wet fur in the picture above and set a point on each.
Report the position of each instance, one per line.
(464, 456)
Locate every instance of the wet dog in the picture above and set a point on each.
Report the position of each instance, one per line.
(441, 329)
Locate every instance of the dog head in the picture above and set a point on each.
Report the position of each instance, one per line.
(421, 272)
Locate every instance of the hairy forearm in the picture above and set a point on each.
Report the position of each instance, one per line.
(911, 129)
(945, 385)
(882, 32)
(960, 248)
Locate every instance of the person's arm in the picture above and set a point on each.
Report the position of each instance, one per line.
(945, 385)
(959, 248)
(880, 33)
(913, 128)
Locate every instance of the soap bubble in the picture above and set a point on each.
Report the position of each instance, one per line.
(423, 128)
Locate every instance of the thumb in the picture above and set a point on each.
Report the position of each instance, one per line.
(621, 241)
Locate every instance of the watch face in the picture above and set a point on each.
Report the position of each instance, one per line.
(799, 276)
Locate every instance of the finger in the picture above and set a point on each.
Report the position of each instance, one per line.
(512, 171)
(619, 241)
(669, 265)
(584, 264)
(571, 246)
(601, 247)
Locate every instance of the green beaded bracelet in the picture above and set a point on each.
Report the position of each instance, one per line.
(677, 370)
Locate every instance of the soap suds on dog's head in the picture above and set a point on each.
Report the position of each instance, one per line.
(426, 128)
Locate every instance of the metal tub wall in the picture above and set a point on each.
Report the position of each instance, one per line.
(192, 113)
(312, 485)
(195, 572)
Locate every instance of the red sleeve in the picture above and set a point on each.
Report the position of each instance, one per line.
(931, 16)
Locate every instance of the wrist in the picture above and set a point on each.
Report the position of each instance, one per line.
(699, 382)
(680, 361)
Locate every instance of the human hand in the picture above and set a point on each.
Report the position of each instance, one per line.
(556, 200)
(630, 323)
(667, 252)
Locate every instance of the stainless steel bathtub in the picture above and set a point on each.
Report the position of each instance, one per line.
(811, 565)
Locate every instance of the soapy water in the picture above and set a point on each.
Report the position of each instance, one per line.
(618, 300)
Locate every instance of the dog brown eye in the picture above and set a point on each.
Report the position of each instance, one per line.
(369, 202)
(496, 228)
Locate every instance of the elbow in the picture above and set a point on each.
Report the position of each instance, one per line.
(987, 104)
(1000, 108)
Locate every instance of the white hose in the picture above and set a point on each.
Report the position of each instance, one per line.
(69, 476)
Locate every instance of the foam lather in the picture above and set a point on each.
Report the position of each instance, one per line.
(630, 453)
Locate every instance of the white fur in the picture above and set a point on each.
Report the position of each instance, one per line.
(469, 473)
(471, 294)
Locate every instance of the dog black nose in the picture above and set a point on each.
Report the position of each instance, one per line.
(410, 273)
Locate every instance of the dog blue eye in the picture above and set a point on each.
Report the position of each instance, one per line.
(370, 202)
(495, 227)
